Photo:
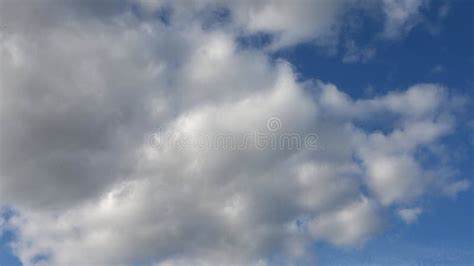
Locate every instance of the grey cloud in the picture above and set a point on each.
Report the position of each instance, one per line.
(80, 99)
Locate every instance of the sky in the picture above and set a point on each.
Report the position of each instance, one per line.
(116, 118)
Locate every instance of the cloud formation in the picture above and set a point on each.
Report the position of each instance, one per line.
(84, 85)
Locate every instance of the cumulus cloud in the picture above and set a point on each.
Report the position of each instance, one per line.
(292, 22)
(84, 88)
(353, 223)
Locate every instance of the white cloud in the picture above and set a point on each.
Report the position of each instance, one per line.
(401, 16)
(292, 22)
(454, 188)
(82, 97)
(351, 224)
(394, 178)
(410, 215)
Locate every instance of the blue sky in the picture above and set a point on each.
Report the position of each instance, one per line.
(438, 50)
(444, 235)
